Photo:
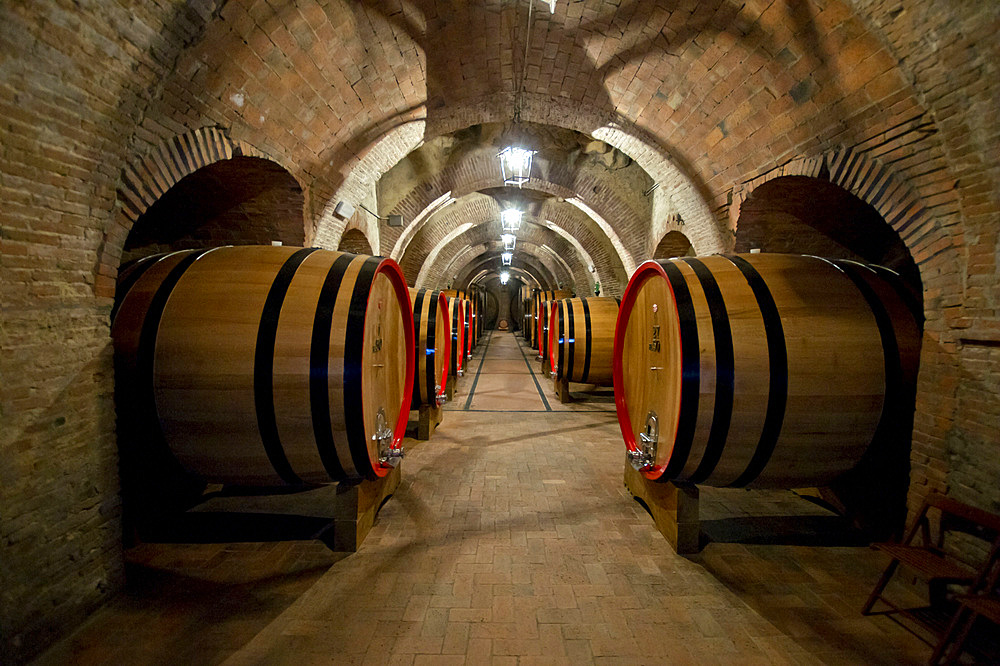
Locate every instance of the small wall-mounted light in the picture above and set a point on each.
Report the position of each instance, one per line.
(506, 258)
(508, 241)
(515, 165)
(510, 219)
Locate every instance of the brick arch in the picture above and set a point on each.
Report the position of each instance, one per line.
(673, 244)
(354, 240)
(472, 242)
(678, 193)
(584, 242)
(532, 239)
(147, 178)
(516, 271)
(607, 212)
(527, 265)
(876, 185)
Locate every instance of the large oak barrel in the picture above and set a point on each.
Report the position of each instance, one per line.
(432, 340)
(456, 315)
(467, 312)
(526, 325)
(582, 339)
(269, 365)
(542, 329)
(764, 369)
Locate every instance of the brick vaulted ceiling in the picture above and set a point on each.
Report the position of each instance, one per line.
(686, 95)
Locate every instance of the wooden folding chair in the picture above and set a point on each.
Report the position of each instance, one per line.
(928, 558)
(983, 601)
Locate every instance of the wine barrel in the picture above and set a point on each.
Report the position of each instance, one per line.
(456, 315)
(542, 330)
(761, 370)
(269, 365)
(432, 347)
(467, 313)
(582, 339)
(526, 325)
(474, 319)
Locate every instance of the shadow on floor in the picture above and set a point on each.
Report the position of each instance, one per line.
(813, 531)
(238, 527)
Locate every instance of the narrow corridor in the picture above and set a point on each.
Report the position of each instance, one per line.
(510, 540)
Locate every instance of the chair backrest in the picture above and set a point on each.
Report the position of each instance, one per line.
(958, 517)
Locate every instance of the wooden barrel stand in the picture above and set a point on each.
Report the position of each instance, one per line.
(429, 418)
(356, 507)
(674, 509)
(562, 389)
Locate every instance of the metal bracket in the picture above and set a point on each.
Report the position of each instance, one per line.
(644, 455)
(439, 397)
(387, 454)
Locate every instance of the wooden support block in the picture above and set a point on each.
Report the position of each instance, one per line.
(356, 507)
(562, 390)
(449, 388)
(674, 509)
(429, 418)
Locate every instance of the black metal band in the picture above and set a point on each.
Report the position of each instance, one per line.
(146, 348)
(570, 339)
(319, 362)
(128, 276)
(430, 354)
(690, 372)
(263, 366)
(354, 342)
(418, 304)
(455, 351)
(589, 333)
(893, 401)
(724, 372)
(777, 354)
(561, 338)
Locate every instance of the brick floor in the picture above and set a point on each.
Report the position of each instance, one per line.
(511, 540)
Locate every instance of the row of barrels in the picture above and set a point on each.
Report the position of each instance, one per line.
(284, 365)
(259, 365)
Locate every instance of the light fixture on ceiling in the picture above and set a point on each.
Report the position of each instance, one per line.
(506, 258)
(515, 165)
(510, 219)
(504, 277)
(508, 241)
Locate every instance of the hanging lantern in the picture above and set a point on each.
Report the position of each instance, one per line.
(508, 241)
(504, 277)
(515, 165)
(510, 219)
(506, 258)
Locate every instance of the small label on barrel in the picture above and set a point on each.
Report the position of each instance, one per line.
(655, 344)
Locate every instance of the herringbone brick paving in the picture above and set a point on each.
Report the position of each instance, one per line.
(511, 540)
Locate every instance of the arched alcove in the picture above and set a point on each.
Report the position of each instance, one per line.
(804, 215)
(807, 215)
(673, 244)
(354, 240)
(238, 201)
